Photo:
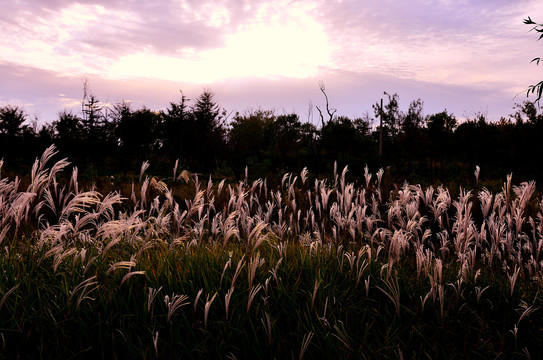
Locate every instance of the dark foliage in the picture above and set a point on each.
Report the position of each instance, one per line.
(426, 149)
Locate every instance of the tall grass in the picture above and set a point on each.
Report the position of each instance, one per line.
(309, 268)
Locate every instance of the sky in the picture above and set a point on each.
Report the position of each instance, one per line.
(464, 56)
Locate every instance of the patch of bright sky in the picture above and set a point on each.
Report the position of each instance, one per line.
(282, 40)
(279, 39)
(476, 44)
(287, 43)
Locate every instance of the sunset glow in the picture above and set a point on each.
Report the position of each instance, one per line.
(262, 51)
(466, 58)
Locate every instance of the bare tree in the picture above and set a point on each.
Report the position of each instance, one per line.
(330, 112)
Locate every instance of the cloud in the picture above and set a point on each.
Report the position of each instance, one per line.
(45, 93)
(443, 41)
(465, 56)
(244, 39)
(91, 36)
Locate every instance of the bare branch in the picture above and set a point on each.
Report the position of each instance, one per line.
(330, 112)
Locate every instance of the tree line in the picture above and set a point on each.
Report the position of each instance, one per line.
(110, 139)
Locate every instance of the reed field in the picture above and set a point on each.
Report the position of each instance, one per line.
(309, 268)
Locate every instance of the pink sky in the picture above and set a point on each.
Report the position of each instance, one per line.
(463, 56)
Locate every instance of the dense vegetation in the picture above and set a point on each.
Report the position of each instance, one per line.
(431, 149)
(310, 268)
(303, 265)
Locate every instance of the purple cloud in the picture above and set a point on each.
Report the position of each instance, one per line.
(464, 56)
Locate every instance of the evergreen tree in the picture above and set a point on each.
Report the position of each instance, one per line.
(175, 134)
(208, 131)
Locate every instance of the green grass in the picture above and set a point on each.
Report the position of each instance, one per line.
(48, 314)
(279, 273)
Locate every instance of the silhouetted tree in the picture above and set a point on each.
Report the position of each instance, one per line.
(15, 137)
(107, 138)
(176, 119)
(524, 140)
(69, 134)
(118, 111)
(391, 115)
(249, 141)
(441, 127)
(414, 119)
(207, 133)
(285, 133)
(363, 124)
(92, 114)
(329, 111)
(345, 141)
(308, 146)
(441, 124)
(409, 154)
(137, 132)
(527, 111)
(11, 121)
(94, 121)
